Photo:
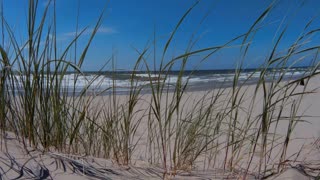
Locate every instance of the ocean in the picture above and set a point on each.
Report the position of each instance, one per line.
(97, 82)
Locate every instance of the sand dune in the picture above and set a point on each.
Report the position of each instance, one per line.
(303, 154)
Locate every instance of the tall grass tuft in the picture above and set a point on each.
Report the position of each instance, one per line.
(40, 108)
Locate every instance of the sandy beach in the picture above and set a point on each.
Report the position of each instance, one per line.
(301, 160)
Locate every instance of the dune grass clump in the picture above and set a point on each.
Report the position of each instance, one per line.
(180, 136)
(223, 128)
(40, 109)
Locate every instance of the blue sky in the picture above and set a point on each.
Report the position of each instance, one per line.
(130, 24)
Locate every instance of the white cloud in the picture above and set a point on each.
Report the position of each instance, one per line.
(101, 30)
(65, 36)
(107, 30)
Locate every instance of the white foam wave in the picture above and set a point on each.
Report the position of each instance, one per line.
(93, 82)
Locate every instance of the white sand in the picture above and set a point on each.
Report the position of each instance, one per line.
(16, 162)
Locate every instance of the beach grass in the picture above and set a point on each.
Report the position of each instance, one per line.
(230, 128)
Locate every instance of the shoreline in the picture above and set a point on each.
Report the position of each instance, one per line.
(208, 86)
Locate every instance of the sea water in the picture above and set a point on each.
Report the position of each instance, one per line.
(123, 81)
